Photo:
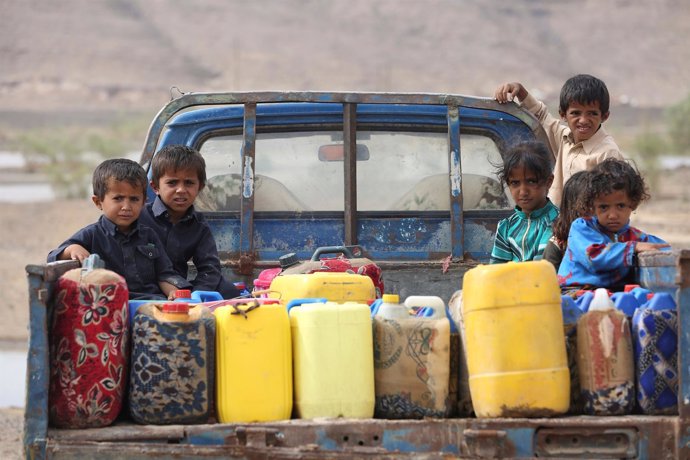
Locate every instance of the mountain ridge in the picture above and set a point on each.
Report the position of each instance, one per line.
(124, 55)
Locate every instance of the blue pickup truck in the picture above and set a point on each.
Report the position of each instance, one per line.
(408, 180)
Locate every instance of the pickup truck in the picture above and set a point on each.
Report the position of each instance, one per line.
(409, 180)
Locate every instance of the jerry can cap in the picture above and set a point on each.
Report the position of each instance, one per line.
(175, 307)
(390, 298)
(183, 294)
(288, 260)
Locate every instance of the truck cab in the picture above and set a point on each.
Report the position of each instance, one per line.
(407, 178)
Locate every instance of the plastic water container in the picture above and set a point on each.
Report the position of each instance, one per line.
(605, 358)
(584, 300)
(242, 287)
(428, 305)
(655, 327)
(336, 287)
(254, 361)
(412, 360)
(173, 357)
(205, 296)
(332, 359)
(515, 342)
(625, 302)
(571, 313)
(181, 295)
(263, 282)
(464, 404)
(641, 294)
(89, 348)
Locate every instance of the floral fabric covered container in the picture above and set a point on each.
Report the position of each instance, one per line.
(88, 349)
(172, 366)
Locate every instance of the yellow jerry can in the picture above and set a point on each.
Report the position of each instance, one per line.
(516, 353)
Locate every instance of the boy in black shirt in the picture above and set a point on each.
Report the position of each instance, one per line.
(127, 248)
(178, 174)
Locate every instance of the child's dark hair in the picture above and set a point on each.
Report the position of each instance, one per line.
(584, 89)
(571, 205)
(176, 157)
(532, 155)
(612, 175)
(121, 170)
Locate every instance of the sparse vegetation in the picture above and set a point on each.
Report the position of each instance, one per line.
(649, 147)
(671, 137)
(678, 128)
(67, 155)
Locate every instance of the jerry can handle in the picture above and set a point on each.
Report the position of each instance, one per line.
(425, 312)
(298, 302)
(432, 302)
(221, 303)
(206, 296)
(92, 262)
(331, 250)
(374, 307)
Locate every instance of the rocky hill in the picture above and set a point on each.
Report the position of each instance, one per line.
(119, 55)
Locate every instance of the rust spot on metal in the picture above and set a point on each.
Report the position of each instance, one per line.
(246, 264)
(487, 444)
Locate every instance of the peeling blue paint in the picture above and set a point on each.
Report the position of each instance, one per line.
(248, 178)
(396, 440)
(521, 438)
(324, 441)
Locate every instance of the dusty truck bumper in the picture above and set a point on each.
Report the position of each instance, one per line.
(567, 437)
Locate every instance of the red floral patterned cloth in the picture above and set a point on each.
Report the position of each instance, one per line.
(88, 349)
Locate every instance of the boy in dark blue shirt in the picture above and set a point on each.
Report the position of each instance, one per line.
(178, 174)
(127, 248)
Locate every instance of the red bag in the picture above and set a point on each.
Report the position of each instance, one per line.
(345, 262)
(88, 349)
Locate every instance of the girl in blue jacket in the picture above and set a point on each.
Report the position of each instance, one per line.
(601, 246)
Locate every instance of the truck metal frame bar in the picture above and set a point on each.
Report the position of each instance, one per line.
(349, 101)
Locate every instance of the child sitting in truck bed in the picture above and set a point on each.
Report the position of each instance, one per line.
(528, 171)
(127, 248)
(569, 211)
(178, 174)
(601, 246)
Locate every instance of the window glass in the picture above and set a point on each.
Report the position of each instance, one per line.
(409, 171)
(396, 171)
(222, 192)
(289, 175)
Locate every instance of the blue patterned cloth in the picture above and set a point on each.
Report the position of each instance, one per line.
(172, 369)
(594, 259)
(656, 360)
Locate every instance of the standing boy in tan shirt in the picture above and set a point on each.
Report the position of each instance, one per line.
(581, 143)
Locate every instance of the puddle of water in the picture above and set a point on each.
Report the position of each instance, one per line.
(25, 193)
(12, 160)
(12, 386)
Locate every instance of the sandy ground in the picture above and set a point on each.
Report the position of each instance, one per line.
(30, 230)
